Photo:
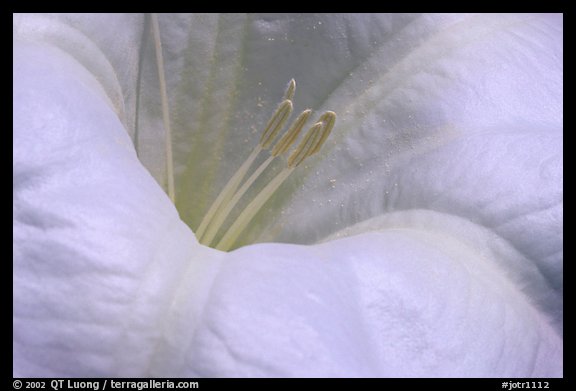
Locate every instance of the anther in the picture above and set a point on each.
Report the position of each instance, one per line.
(306, 145)
(289, 94)
(291, 135)
(276, 123)
(328, 119)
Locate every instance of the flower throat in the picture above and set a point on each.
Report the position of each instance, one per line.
(213, 223)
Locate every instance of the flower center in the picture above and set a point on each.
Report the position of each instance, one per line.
(213, 230)
(213, 225)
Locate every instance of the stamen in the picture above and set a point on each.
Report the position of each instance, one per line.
(233, 192)
(329, 119)
(227, 207)
(289, 94)
(165, 108)
(281, 146)
(276, 123)
(253, 207)
(226, 193)
(306, 145)
(291, 135)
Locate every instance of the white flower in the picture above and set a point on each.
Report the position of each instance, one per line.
(435, 207)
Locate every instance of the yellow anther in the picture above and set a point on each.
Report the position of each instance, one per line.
(328, 119)
(289, 94)
(292, 134)
(306, 145)
(276, 123)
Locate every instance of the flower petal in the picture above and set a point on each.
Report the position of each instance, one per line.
(401, 303)
(98, 246)
(452, 96)
(456, 114)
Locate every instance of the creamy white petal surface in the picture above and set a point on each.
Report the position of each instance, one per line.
(436, 207)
